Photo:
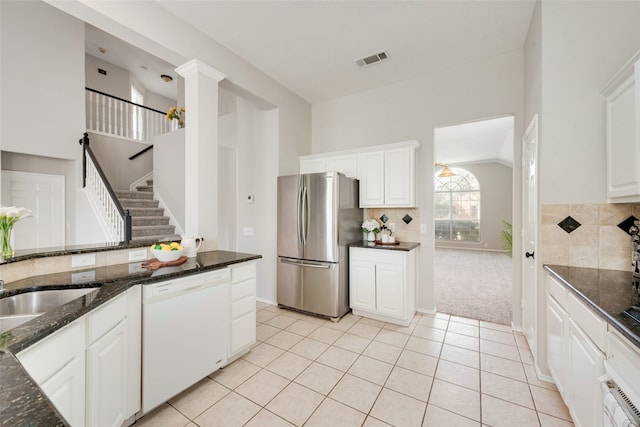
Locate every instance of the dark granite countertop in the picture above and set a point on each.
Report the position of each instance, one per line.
(402, 246)
(607, 292)
(21, 400)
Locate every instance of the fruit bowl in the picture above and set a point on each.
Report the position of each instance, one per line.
(166, 252)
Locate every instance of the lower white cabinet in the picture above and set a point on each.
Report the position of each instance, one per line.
(113, 360)
(90, 369)
(586, 364)
(575, 353)
(382, 284)
(242, 315)
(57, 365)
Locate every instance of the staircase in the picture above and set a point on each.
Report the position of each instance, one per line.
(147, 219)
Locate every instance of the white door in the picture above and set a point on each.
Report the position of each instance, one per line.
(44, 195)
(529, 229)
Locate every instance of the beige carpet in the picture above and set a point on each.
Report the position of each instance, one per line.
(474, 284)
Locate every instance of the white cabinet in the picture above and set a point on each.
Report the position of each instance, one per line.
(345, 163)
(586, 366)
(386, 172)
(57, 365)
(242, 315)
(113, 360)
(622, 94)
(576, 339)
(382, 284)
(387, 178)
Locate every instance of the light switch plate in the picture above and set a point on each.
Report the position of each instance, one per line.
(83, 276)
(423, 228)
(83, 260)
(247, 231)
(138, 255)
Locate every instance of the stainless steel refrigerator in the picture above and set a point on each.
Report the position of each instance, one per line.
(318, 215)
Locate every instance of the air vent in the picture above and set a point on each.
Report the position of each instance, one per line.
(372, 59)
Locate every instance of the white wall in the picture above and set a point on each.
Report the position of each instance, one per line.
(169, 172)
(173, 40)
(583, 45)
(42, 83)
(411, 110)
(113, 155)
(115, 83)
(257, 139)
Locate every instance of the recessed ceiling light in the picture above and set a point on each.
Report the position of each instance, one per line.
(166, 78)
(102, 50)
(144, 67)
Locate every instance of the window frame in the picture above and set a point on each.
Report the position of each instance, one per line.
(465, 183)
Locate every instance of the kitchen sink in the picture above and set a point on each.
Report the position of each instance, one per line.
(18, 309)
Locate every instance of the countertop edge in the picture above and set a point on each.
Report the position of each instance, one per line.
(626, 332)
(402, 246)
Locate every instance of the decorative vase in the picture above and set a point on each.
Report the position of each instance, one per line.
(180, 123)
(5, 242)
(371, 236)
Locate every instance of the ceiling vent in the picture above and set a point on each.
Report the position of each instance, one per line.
(372, 59)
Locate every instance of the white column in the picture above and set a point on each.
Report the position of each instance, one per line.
(201, 150)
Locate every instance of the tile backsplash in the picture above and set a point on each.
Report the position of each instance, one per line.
(587, 235)
(404, 232)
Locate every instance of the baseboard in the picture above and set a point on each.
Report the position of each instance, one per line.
(140, 181)
(543, 377)
(425, 311)
(266, 301)
(517, 329)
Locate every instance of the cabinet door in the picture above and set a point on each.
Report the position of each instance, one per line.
(371, 176)
(346, 164)
(390, 289)
(66, 390)
(556, 343)
(362, 285)
(399, 181)
(313, 165)
(586, 366)
(623, 148)
(107, 379)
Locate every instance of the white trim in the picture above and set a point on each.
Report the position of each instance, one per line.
(96, 211)
(425, 311)
(196, 66)
(143, 180)
(543, 377)
(167, 212)
(267, 301)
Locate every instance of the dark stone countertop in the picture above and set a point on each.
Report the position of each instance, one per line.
(21, 400)
(607, 292)
(402, 246)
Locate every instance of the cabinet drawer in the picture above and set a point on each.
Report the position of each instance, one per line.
(377, 256)
(589, 322)
(103, 319)
(242, 307)
(243, 271)
(48, 356)
(557, 290)
(243, 290)
(243, 333)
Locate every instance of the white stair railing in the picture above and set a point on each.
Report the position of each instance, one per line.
(115, 218)
(111, 115)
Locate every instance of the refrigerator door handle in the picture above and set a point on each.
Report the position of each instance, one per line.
(305, 215)
(299, 212)
(303, 264)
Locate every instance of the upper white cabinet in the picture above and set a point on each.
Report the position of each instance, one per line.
(386, 172)
(623, 133)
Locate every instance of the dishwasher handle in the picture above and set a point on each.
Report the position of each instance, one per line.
(167, 289)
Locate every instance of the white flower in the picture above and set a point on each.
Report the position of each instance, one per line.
(371, 225)
(9, 215)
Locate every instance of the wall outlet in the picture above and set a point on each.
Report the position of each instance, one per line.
(423, 228)
(247, 231)
(392, 227)
(83, 260)
(83, 276)
(138, 255)
(135, 267)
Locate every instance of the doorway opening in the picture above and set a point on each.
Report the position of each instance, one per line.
(473, 199)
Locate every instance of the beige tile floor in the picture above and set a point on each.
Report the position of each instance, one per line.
(305, 371)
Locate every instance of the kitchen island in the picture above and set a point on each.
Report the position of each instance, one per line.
(21, 401)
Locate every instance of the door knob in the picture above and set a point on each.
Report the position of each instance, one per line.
(530, 255)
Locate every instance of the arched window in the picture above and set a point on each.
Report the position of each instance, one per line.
(457, 207)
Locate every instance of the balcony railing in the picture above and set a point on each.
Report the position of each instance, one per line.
(111, 115)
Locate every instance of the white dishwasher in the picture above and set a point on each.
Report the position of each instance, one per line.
(184, 333)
